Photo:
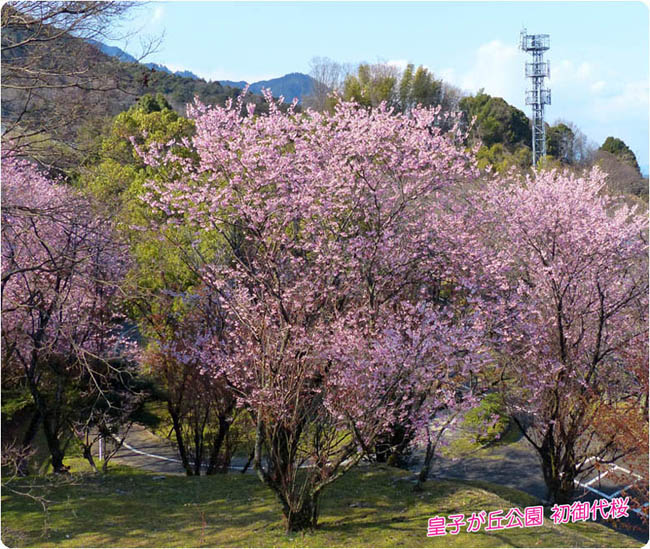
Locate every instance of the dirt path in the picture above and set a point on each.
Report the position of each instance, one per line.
(515, 465)
(150, 452)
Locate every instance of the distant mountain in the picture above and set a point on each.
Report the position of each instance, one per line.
(295, 84)
(114, 51)
(291, 85)
(233, 84)
(179, 87)
(187, 74)
(163, 68)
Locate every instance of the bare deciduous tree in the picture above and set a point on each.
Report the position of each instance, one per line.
(328, 76)
(53, 79)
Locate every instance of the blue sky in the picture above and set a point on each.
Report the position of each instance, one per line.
(599, 50)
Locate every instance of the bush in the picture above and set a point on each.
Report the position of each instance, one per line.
(489, 419)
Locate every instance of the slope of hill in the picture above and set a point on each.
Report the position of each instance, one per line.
(113, 51)
(121, 55)
(375, 507)
(233, 84)
(290, 85)
(163, 68)
(71, 86)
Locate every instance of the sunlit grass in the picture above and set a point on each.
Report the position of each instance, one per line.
(370, 507)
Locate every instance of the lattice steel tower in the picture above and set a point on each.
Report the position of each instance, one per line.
(536, 45)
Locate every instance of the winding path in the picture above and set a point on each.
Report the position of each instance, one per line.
(145, 450)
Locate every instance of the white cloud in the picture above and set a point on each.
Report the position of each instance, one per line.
(562, 72)
(497, 67)
(568, 74)
(158, 14)
(599, 93)
(398, 63)
(629, 101)
(585, 71)
(598, 86)
(602, 101)
(448, 75)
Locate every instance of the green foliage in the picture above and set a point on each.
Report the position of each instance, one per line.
(118, 172)
(352, 91)
(372, 85)
(15, 400)
(117, 177)
(162, 254)
(489, 419)
(496, 121)
(618, 148)
(503, 160)
(559, 143)
(148, 103)
(406, 85)
(179, 90)
(425, 89)
(376, 83)
(549, 162)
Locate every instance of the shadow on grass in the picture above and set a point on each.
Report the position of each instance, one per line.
(374, 507)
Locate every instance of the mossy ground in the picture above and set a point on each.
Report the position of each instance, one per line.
(369, 507)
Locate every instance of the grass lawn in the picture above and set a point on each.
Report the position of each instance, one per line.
(369, 507)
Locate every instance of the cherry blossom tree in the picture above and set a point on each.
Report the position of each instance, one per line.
(201, 406)
(60, 264)
(343, 305)
(570, 263)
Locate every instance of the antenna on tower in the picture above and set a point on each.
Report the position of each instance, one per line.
(538, 96)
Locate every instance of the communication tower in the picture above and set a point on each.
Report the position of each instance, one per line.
(538, 96)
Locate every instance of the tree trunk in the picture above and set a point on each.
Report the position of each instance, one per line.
(382, 451)
(22, 467)
(89, 457)
(54, 445)
(559, 484)
(49, 420)
(214, 466)
(248, 463)
(300, 509)
(559, 478)
(178, 431)
(392, 446)
(399, 457)
(305, 517)
(426, 466)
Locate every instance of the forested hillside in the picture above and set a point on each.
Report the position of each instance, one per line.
(59, 89)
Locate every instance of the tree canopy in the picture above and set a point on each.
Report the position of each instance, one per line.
(617, 147)
(496, 121)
